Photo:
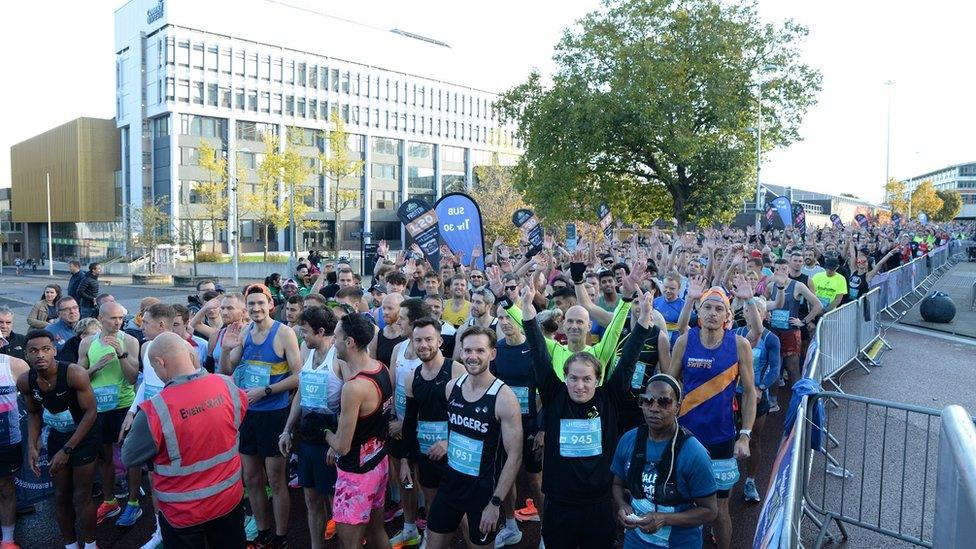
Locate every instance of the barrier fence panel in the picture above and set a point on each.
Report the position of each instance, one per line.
(837, 333)
(955, 507)
(868, 324)
(886, 454)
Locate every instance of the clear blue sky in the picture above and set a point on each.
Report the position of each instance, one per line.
(59, 64)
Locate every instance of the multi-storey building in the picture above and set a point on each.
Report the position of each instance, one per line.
(228, 72)
(961, 178)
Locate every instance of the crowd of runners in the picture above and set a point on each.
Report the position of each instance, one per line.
(625, 382)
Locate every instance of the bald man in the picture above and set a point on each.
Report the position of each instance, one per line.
(381, 348)
(188, 431)
(112, 360)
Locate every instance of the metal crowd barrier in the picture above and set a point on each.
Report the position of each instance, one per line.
(955, 507)
(834, 347)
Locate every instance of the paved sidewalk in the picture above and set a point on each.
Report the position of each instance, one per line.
(958, 283)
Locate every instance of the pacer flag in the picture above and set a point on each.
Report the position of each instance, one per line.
(799, 218)
(784, 208)
(606, 220)
(835, 219)
(459, 220)
(420, 221)
(862, 220)
(529, 223)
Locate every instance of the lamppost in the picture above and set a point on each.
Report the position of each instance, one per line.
(758, 131)
(888, 84)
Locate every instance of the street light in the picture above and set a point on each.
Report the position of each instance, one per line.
(50, 237)
(767, 68)
(888, 84)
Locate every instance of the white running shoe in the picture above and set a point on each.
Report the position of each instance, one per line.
(507, 537)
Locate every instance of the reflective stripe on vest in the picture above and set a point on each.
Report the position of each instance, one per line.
(176, 468)
(194, 495)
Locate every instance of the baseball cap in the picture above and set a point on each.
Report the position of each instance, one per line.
(381, 288)
(831, 263)
(219, 288)
(564, 292)
(755, 253)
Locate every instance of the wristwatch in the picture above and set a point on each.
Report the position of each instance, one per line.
(67, 450)
(267, 391)
(746, 432)
(496, 501)
(124, 355)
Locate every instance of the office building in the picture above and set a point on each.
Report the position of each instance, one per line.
(228, 72)
(960, 178)
(82, 159)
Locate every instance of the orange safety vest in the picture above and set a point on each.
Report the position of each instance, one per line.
(197, 471)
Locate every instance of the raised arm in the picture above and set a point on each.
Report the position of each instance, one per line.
(545, 377)
(696, 287)
(618, 381)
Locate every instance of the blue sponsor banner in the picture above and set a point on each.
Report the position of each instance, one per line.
(861, 220)
(571, 238)
(835, 219)
(460, 225)
(799, 218)
(531, 228)
(420, 221)
(606, 220)
(784, 208)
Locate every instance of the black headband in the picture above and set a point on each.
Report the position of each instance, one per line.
(669, 380)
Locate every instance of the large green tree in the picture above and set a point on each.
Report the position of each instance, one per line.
(951, 205)
(651, 107)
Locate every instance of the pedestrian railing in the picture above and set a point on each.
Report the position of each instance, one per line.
(955, 505)
(857, 473)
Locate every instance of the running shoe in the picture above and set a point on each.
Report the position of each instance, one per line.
(507, 537)
(392, 513)
(749, 491)
(405, 539)
(129, 516)
(9, 545)
(528, 513)
(421, 524)
(155, 541)
(107, 510)
(330, 529)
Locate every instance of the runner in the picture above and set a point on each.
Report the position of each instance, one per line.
(112, 360)
(483, 420)
(785, 319)
(265, 361)
(457, 308)
(359, 440)
(425, 421)
(389, 335)
(710, 360)
(448, 332)
(11, 343)
(670, 305)
(829, 286)
(60, 396)
(482, 303)
(314, 409)
(513, 365)
(68, 316)
(581, 427)
(766, 364)
(232, 313)
(654, 357)
(662, 477)
(11, 456)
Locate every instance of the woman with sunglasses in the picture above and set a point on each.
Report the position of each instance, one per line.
(581, 431)
(667, 473)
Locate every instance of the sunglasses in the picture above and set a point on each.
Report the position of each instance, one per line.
(608, 262)
(511, 288)
(662, 402)
(476, 276)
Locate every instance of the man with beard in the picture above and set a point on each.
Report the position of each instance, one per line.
(381, 348)
(482, 301)
(425, 420)
(786, 320)
(457, 308)
(483, 420)
(448, 333)
(608, 291)
(231, 314)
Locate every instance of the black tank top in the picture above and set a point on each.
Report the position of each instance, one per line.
(384, 347)
(61, 398)
(429, 394)
(474, 450)
(368, 446)
(630, 415)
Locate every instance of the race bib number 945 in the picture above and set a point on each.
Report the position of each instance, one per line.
(580, 437)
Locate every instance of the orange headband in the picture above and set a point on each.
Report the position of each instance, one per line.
(718, 294)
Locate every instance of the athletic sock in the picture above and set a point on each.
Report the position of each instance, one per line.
(110, 502)
(91, 545)
(8, 532)
(71, 545)
(409, 527)
(748, 479)
(511, 524)
(134, 503)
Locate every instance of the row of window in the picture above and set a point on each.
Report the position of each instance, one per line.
(238, 62)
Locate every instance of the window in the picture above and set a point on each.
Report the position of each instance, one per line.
(225, 61)
(376, 118)
(290, 105)
(313, 76)
(289, 72)
(313, 109)
(254, 131)
(170, 88)
(345, 113)
(266, 102)
(247, 231)
(302, 136)
(382, 145)
(384, 200)
(355, 84)
(247, 160)
(212, 55)
(354, 143)
(212, 95)
(196, 56)
(225, 97)
(183, 54)
(239, 98)
(189, 156)
(239, 63)
(252, 65)
(301, 107)
(252, 100)
(335, 80)
(325, 77)
(183, 91)
(276, 70)
(345, 82)
(452, 154)
(170, 50)
(324, 110)
(420, 150)
(385, 171)
(276, 103)
(203, 126)
(266, 68)
(385, 230)
(160, 126)
(198, 93)
(300, 77)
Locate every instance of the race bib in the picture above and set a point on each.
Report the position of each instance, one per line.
(726, 473)
(637, 380)
(106, 398)
(660, 538)
(151, 390)
(580, 437)
(401, 401)
(314, 389)
(824, 301)
(672, 326)
(464, 454)
(255, 376)
(430, 433)
(61, 422)
(522, 393)
(853, 292)
(780, 319)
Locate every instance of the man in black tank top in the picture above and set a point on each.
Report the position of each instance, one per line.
(65, 392)
(381, 348)
(654, 357)
(360, 440)
(425, 422)
(483, 416)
